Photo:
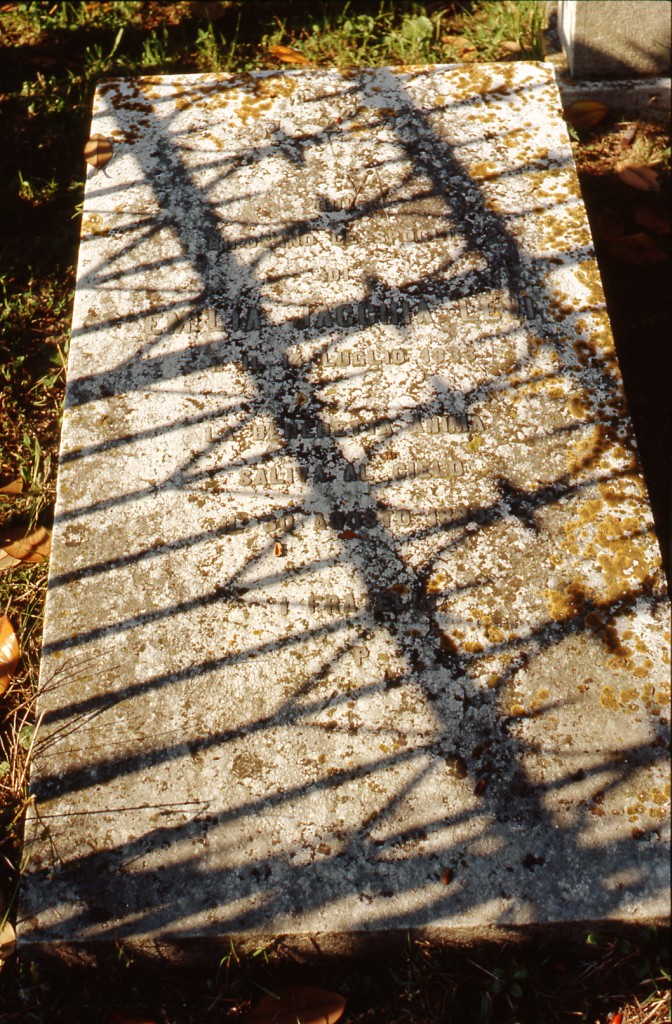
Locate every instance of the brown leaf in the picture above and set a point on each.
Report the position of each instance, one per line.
(654, 220)
(460, 44)
(627, 137)
(644, 178)
(349, 535)
(98, 151)
(298, 1004)
(278, 549)
(287, 54)
(638, 249)
(7, 940)
(510, 46)
(32, 547)
(7, 561)
(586, 113)
(14, 487)
(447, 876)
(9, 653)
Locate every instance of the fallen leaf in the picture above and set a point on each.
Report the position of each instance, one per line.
(447, 876)
(586, 113)
(349, 535)
(654, 220)
(278, 549)
(638, 249)
(14, 487)
(31, 547)
(98, 151)
(458, 43)
(210, 9)
(287, 54)
(9, 653)
(298, 1004)
(644, 178)
(627, 137)
(510, 46)
(7, 561)
(7, 940)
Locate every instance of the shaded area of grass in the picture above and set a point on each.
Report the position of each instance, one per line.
(538, 982)
(51, 56)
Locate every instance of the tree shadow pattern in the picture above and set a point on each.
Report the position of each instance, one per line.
(355, 618)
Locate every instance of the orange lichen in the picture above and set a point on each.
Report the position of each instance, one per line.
(608, 699)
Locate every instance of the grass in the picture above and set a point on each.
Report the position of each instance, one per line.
(52, 54)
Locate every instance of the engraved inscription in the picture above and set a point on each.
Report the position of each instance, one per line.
(397, 313)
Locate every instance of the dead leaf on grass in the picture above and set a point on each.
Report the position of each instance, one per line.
(627, 137)
(7, 561)
(13, 487)
(586, 113)
(7, 940)
(31, 547)
(98, 151)
(510, 46)
(643, 178)
(9, 653)
(460, 44)
(654, 220)
(298, 1004)
(638, 249)
(287, 55)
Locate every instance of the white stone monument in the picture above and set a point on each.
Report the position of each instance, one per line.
(355, 622)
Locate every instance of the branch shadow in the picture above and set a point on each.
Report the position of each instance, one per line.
(389, 610)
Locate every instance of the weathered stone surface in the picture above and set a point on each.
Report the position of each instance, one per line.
(615, 38)
(355, 618)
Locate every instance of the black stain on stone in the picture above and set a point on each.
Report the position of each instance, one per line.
(529, 861)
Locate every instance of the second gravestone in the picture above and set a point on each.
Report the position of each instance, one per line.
(355, 619)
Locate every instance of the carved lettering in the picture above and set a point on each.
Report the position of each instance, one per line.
(402, 312)
(333, 604)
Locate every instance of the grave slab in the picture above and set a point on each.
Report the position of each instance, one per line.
(355, 621)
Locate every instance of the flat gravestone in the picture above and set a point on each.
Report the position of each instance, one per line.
(355, 621)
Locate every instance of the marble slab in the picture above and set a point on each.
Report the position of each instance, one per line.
(356, 622)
